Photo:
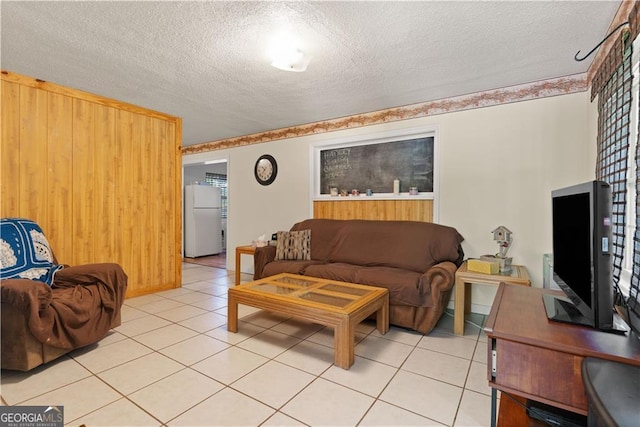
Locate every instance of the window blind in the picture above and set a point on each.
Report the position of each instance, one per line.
(220, 181)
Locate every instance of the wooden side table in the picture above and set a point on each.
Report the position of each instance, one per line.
(462, 304)
(247, 250)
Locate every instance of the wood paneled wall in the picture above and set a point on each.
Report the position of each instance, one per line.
(402, 210)
(101, 177)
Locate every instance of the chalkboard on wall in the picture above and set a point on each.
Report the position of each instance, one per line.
(375, 166)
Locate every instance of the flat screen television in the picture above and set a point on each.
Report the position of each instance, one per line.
(582, 261)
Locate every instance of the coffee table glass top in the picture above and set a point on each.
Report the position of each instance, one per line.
(319, 291)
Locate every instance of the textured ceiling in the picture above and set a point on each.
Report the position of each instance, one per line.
(206, 61)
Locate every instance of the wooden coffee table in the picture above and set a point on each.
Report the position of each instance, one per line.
(340, 305)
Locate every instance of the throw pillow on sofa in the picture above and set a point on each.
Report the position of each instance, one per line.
(294, 245)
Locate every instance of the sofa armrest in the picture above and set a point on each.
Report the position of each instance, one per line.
(25, 293)
(262, 257)
(90, 274)
(438, 280)
(109, 278)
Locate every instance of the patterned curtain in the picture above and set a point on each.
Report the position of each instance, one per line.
(614, 110)
(634, 293)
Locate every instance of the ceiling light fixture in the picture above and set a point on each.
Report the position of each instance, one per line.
(293, 60)
(285, 55)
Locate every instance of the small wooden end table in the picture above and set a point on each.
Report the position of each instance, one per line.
(340, 305)
(462, 304)
(247, 250)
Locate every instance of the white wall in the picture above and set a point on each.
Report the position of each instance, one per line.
(498, 166)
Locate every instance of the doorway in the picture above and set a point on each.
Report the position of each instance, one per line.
(214, 173)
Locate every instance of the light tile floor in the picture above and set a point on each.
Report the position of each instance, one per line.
(173, 363)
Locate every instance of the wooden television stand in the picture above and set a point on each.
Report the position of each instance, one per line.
(531, 357)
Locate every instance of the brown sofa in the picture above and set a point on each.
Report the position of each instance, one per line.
(41, 323)
(416, 261)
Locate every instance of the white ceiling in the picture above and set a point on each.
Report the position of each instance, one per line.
(206, 61)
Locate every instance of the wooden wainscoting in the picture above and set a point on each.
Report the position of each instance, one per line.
(101, 177)
(380, 209)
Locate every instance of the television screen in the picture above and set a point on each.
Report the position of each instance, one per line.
(572, 246)
(581, 224)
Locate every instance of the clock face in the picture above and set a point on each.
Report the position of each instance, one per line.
(266, 169)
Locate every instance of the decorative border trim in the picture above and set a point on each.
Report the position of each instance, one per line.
(535, 90)
(622, 15)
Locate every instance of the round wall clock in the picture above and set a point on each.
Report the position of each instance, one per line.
(266, 169)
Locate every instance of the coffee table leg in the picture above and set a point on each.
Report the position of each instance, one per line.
(238, 255)
(382, 316)
(232, 315)
(343, 338)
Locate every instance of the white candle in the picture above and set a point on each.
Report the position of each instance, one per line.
(396, 186)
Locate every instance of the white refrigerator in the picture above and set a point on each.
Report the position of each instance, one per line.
(202, 221)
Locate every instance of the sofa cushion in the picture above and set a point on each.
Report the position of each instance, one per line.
(286, 266)
(294, 245)
(25, 252)
(403, 285)
(334, 271)
(324, 232)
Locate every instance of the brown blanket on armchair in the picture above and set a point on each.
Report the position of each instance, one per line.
(80, 308)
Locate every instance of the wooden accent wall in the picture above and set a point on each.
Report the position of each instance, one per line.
(403, 210)
(101, 177)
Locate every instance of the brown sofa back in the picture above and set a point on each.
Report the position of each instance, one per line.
(408, 245)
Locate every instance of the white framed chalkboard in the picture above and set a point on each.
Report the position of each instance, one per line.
(374, 161)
